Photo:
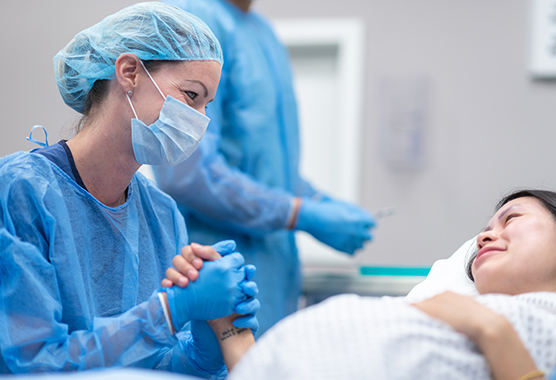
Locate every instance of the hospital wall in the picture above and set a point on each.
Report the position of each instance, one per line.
(488, 126)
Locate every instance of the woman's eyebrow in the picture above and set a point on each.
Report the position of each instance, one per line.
(506, 211)
(201, 83)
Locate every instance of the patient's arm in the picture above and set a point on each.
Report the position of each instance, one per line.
(234, 342)
(494, 335)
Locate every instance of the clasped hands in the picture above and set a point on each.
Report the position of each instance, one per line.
(208, 283)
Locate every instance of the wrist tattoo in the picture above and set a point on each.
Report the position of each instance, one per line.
(228, 333)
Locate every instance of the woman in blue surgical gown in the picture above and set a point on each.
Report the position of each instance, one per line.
(84, 239)
(243, 181)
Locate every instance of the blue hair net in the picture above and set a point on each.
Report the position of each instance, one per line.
(151, 31)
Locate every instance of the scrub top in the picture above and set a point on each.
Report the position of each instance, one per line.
(60, 154)
(79, 279)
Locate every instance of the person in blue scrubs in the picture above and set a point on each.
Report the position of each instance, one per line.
(85, 240)
(243, 182)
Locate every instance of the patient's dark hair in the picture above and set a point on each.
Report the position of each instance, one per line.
(547, 198)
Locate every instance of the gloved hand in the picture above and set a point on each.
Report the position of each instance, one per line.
(203, 348)
(225, 247)
(251, 305)
(215, 294)
(341, 225)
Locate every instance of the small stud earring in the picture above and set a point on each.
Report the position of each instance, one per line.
(130, 93)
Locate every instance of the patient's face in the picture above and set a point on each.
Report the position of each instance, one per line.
(517, 250)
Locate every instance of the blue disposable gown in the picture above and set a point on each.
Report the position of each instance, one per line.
(79, 279)
(240, 182)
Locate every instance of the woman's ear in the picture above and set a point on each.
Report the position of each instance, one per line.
(127, 67)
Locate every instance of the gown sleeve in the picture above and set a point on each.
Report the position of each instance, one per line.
(221, 195)
(34, 337)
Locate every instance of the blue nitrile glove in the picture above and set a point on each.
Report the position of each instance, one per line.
(203, 348)
(215, 294)
(249, 307)
(341, 225)
(225, 247)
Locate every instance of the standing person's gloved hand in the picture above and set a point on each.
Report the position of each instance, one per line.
(341, 225)
(214, 294)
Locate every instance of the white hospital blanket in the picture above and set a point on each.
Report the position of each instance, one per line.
(352, 337)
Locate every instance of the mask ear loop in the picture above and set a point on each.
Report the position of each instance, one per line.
(149, 74)
(131, 104)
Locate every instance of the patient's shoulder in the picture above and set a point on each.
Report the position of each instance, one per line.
(447, 274)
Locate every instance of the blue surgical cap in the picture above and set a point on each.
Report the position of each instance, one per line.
(151, 31)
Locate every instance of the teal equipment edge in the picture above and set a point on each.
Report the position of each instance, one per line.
(395, 271)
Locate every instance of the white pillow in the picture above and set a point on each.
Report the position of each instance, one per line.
(447, 274)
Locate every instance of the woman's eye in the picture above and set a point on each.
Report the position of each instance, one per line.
(191, 94)
(511, 216)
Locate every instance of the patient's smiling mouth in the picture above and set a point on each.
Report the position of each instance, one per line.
(486, 252)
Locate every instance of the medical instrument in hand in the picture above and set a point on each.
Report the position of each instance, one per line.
(385, 212)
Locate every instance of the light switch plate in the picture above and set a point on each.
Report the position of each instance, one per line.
(543, 44)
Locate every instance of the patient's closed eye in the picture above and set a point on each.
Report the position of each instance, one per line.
(511, 216)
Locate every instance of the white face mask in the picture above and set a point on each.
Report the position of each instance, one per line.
(173, 137)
